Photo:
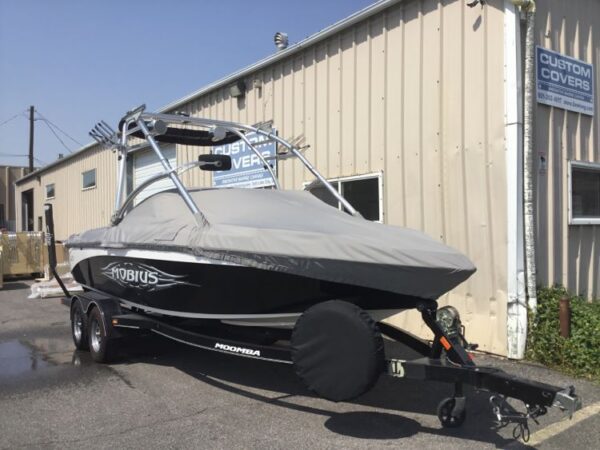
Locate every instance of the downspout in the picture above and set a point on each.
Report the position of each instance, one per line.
(528, 7)
(516, 308)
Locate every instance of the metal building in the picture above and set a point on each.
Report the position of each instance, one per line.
(415, 108)
(8, 176)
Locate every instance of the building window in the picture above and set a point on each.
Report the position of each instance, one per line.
(363, 192)
(49, 191)
(88, 179)
(584, 207)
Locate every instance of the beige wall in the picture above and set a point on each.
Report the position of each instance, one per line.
(75, 209)
(567, 254)
(417, 92)
(8, 176)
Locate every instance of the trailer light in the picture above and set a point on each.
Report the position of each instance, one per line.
(115, 321)
(448, 319)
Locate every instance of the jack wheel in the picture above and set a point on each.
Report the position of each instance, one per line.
(448, 415)
(79, 327)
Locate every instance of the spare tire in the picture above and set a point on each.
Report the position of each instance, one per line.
(337, 350)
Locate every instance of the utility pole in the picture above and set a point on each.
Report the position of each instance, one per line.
(31, 110)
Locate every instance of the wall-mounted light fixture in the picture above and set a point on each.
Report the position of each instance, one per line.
(238, 89)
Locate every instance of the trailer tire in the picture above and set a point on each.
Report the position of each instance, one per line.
(79, 326)
(101, 346)
(337, 350)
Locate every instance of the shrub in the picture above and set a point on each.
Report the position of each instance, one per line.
(578, 354)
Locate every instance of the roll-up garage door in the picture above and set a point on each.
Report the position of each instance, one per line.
(146, 165)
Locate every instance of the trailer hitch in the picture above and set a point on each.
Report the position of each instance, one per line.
(565, 400)
(506, 415)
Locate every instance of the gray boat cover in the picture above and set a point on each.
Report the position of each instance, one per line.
(292, 232)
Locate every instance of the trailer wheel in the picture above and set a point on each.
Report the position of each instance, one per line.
(101, 346)
(79, 326)
(449, 416)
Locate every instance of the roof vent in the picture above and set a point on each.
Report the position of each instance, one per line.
(281, 40)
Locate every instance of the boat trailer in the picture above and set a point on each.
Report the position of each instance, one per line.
(446, 359)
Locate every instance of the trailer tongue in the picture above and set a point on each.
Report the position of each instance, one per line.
(458, 368)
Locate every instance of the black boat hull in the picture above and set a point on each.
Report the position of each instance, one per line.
(204, 289)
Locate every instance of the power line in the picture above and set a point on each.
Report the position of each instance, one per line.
(57, 137)
(12, 118)
(58, 128)
(17, 155)
(51, 126)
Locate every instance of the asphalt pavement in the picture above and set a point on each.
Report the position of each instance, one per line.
(162, 394)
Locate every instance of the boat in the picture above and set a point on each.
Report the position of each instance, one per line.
(275, 275)
(249, 256)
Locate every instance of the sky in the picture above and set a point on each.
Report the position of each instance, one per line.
(81, 61)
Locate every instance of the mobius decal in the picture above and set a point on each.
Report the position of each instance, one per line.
(142, 276)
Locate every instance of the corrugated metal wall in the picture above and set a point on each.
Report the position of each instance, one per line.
(416, 92)
(75, 209)
(8, 176)
(567, 254)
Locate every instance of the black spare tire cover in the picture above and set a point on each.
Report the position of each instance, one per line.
(337, 350)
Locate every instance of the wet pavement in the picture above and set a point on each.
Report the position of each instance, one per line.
(161, 394)
(18, 359)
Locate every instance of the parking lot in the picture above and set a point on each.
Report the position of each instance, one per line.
(160, 394)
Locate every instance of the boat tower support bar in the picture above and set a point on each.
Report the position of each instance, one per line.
(171, 171)
(259, 155)
(122, 167)
(118, 216)
(233, 127)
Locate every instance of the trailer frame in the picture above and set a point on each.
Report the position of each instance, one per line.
(446, 359)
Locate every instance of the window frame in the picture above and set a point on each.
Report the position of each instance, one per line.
(591, 166)
(53, 188)
(340, 180)
(83, 188)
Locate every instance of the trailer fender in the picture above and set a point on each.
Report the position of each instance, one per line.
(107, 306)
